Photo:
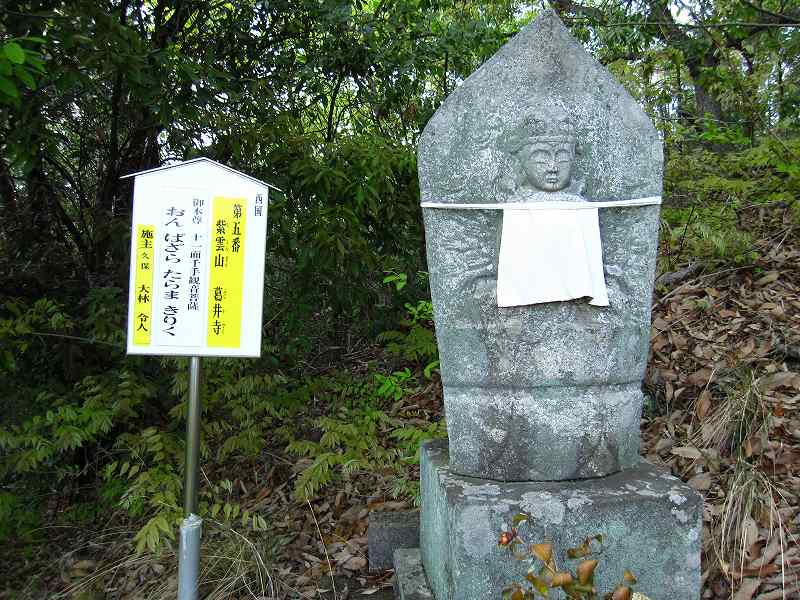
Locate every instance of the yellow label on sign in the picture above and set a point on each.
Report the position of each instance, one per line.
(227, 272)
(143, 294)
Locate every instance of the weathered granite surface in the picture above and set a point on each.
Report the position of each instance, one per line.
(409, 576)
(389, 531)
(549, 391)
(652, 522)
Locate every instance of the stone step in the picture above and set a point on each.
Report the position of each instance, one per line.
(409, 576)
(388, 531)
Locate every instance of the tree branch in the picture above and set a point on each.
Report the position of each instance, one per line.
(7, 188)
(332, 106)
(777, 17)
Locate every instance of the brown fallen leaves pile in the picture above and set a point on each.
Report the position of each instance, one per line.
(725, 376)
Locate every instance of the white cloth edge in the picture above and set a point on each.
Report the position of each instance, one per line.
(544, 205)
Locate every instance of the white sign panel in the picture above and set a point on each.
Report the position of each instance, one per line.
(197, 261)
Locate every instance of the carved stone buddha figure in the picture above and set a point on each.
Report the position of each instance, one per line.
(549, 155)
(540, 180)
(543, 152)
(553, 253)
(549, 163)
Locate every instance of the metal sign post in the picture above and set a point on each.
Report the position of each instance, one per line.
(192, 524)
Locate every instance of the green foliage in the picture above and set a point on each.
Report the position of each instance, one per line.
(716, 198)
(47, 441)
(399, 280)
(102, 426)
(355, 214)
(18, 519)
(20, 66)
(707, 234)
(393, 386)
(23, 322)
(363, 439)
(415, 341)
(360, 435)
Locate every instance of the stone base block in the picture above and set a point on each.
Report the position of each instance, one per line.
(651, 522)
(388, 531)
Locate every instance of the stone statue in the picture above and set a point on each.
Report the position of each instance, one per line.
(543, 399)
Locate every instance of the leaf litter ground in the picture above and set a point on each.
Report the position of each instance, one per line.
(724, 383)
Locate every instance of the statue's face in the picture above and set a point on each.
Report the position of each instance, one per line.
(548, 164)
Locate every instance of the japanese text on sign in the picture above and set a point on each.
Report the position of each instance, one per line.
(143, 292)
(173, 274)
(226, 272)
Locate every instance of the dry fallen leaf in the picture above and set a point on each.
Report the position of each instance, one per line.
(356, 563)
(687, 452)
(700, 482)
(700, 378)
(703, 404)
(779, 379)
(747, 589)
(664, 444)
(768, 278)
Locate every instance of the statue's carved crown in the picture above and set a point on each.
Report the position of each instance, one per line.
(549, 128)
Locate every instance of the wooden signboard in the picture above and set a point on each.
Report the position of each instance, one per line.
(197, 261)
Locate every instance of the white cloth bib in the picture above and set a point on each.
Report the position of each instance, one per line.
(550, 251)
(550, 255)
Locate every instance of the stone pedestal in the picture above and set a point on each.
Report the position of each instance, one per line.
(652, 523)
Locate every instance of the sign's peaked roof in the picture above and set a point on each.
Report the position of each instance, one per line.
(200, 159)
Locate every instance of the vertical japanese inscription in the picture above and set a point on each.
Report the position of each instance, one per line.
(173, 275)
(143, 282)
(226, 272)
(196, 255)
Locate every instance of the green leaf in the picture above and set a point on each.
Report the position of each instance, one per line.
(538, 583)
(35, 63)
(519, 519)
(428, 371)
(14, 52)
(8, 87)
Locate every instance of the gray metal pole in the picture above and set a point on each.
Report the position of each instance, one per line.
(189, 559)
(192, 525)
(192, 475)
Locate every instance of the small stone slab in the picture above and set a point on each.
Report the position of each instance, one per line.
(651, 522)
(409, 576)
(388, 531)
